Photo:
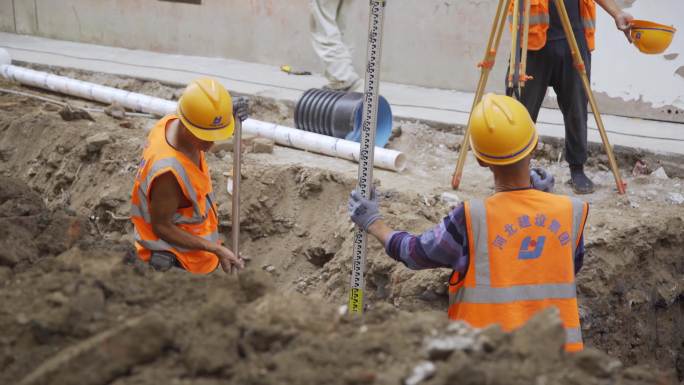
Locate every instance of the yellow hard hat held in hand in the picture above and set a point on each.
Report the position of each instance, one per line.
(206, 110)
(650, 37)
(501, 130)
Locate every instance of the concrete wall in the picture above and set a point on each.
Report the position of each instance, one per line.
(433, 43)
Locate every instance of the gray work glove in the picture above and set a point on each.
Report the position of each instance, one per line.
(241, 108)
(542, 180)
(363, 211)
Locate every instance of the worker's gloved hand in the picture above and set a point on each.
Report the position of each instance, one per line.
(542, 180)
(363, 211)
(241, 107)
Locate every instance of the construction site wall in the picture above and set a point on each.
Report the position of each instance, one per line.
(427, 43)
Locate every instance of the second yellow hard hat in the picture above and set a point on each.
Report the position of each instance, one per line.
(651, 38)
(206, 109)
(501, 130)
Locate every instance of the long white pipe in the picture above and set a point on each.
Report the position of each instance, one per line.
(286, 136)
(322, 144)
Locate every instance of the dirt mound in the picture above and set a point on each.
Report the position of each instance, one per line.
(634, 282)
(28, 230)
(88, 316)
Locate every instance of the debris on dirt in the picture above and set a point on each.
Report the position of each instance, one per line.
(262, 146)
(96, 142)
(116, 111)
(450, 199)
(660, 173)
(421, 372)
(227, 145)
(641, 168)
(675, 198)
(69, 113)
(396, 132)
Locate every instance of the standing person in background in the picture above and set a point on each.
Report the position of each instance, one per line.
(550, 64)
(327, 41)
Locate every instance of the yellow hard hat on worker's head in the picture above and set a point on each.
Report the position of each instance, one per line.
(650, 37)
(206, 110)
(501, 130)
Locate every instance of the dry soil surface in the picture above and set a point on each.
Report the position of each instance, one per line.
(75, 310)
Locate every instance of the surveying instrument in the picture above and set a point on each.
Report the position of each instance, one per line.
(518, 76)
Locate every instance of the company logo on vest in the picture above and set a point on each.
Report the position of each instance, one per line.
(537, 248)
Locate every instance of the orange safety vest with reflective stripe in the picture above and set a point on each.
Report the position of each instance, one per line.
(539, 22)
(199, 219)
(522, 247)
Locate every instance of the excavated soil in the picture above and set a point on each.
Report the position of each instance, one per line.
(75, 310)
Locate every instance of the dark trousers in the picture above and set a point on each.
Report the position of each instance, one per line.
(553, 66)
(164, 261)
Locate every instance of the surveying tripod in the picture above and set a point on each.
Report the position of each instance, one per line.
(517, 76)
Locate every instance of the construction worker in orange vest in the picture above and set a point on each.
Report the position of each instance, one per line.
(514, 253)
(550, 64)
(173, 207)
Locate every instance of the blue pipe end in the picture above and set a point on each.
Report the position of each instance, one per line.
(384, 129)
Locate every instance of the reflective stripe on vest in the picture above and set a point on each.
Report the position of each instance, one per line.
(544, 19)
(481, 238)
(540, 22)
(577, 223)
(179, 170)
(573, 335)
(161, 245)
(514, 293)
(143, 211)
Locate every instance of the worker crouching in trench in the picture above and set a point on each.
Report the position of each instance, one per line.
(173, 207)
(513, 253)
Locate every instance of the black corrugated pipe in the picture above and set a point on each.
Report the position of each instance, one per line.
(338, 114)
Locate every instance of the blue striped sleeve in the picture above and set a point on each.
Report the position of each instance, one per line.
(445, 245)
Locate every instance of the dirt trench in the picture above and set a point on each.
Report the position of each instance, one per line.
(65, 284)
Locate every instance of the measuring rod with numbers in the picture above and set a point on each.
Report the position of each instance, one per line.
(368, 128)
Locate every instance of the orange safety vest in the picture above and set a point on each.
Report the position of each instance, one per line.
(199, 219)
(539, 22)
(522, 247)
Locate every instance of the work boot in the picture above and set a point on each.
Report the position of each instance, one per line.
(580, 182)
(353, 86)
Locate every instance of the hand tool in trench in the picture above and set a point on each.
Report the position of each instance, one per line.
(368, 128)
(291, 71)
(237, 176)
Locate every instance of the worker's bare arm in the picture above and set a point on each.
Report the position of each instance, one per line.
(622, 18)
(380, 231)
(165, 198)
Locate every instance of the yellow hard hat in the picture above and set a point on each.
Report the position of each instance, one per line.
(501, 130)
(650, 37)
(206, 109)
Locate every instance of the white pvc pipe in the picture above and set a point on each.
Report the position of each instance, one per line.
(322, 144)
(86, 90)
(286, 136)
